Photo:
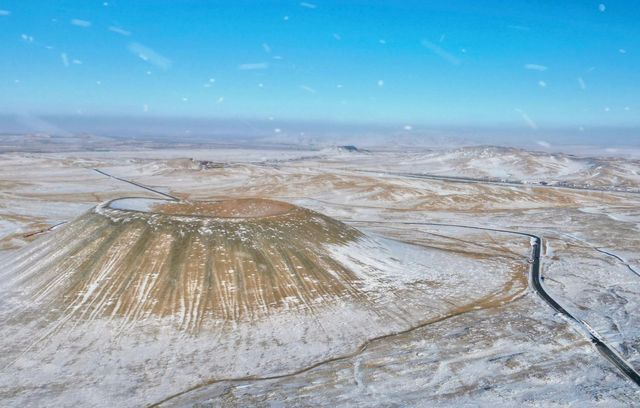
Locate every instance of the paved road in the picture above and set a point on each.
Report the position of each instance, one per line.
(467, 180)
(599, 342)
(169, 196)
(535, 282)
(472, 180)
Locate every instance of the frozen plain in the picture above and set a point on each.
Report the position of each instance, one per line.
(476, 333)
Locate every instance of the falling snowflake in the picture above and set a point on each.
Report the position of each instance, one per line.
(307, 89)
(535, 67)
(119, 30)
(527, 119)
(81, 23)
(253, 66)
(581, 83)
(149, 55)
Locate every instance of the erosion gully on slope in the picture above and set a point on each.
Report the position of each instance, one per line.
(535, 281)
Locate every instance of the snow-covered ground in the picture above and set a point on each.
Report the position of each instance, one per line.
(508, 348)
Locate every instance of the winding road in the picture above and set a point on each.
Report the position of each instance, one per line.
(535, 283)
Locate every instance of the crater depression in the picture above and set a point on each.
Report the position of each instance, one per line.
(222, 289)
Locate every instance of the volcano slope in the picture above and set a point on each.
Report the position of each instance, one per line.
(139, 299)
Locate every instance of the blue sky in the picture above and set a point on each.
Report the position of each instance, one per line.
(530, 64)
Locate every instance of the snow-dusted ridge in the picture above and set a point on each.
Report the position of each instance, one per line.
(308, 286)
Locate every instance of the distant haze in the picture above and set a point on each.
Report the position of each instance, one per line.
(321, 133)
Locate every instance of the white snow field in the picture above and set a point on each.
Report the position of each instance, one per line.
(368, 284)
